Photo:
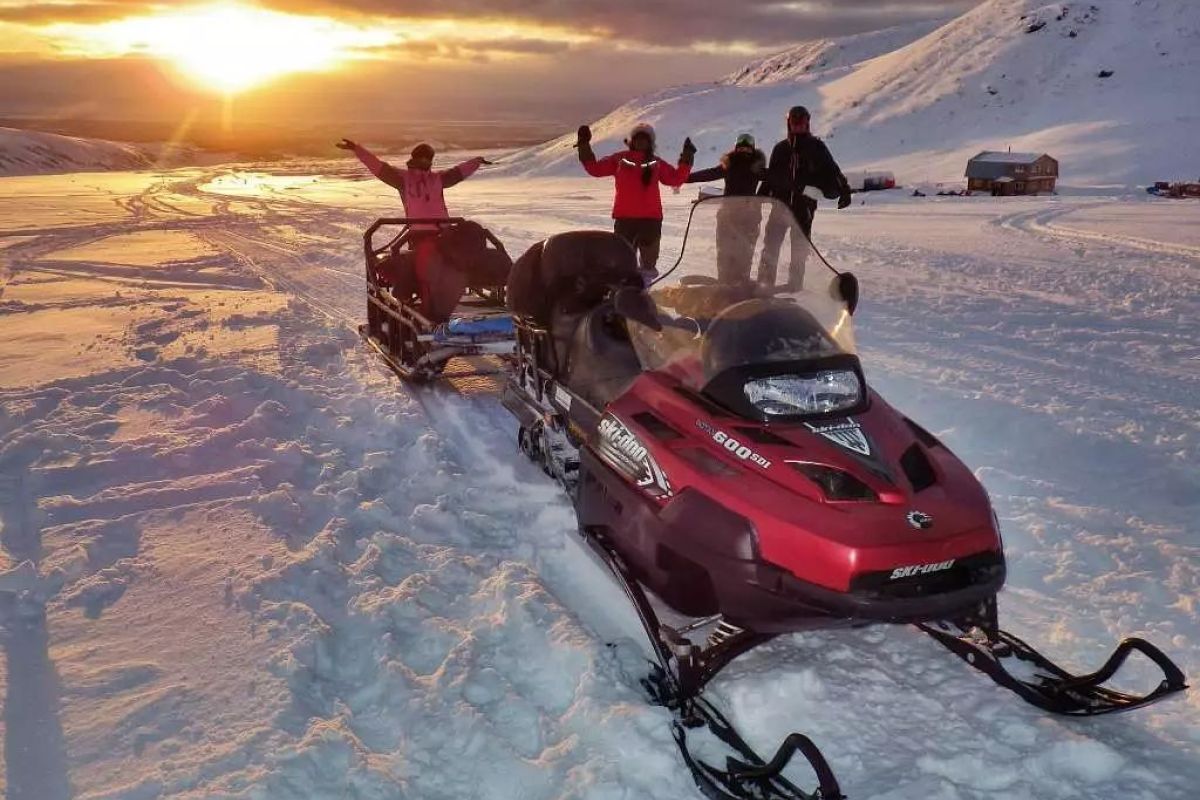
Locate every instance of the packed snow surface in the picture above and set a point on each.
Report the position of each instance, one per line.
(241, 560)
(1108, 87)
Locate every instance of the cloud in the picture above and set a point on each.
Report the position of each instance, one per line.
(80, 13)
(663, 22)
(544, 59)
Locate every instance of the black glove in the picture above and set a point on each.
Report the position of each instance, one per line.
(345, 144)
(844, 200)
(688, 156)
(583, 136)
(485, 162)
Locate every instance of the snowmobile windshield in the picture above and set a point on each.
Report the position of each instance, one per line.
(752, 317)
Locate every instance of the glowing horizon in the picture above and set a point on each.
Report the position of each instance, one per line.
(225, 46)
(319, 60)
(231, 46)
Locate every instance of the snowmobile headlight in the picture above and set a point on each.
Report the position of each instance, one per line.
(818, 393)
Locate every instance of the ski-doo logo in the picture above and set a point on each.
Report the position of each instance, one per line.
(919, 520)
(847, 433)
(921, 569)
(733, 445)
(626, 454)
(620, 438)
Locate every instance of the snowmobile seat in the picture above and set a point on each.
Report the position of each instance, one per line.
(389, 268)
(558, 281)
(489, 269)
(460, 258)
(602, 361)
(397, 273)
(464, 247)
(570, 272)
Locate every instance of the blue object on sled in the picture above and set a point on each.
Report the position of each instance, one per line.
(492, 327)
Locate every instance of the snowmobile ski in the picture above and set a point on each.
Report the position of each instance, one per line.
(676, 681)
(1053, 688)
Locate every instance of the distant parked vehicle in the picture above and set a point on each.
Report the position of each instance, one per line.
(1177, 189)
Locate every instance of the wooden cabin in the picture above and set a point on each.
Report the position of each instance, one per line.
(1005, 174)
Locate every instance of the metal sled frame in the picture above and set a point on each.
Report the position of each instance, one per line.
(681, 669)
(405, 338)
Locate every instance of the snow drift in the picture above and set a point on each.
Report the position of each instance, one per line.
(34, 153)
(1107, 87)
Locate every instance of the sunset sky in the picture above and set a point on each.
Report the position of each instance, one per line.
(326, 61)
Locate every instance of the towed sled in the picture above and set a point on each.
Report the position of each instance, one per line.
(435, 292)
(733, 470)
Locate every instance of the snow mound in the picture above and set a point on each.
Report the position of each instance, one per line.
(34, 153)
(1107, 87)
(827, 54)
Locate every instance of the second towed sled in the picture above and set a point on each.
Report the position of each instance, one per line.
(435, 292)
(734, 471)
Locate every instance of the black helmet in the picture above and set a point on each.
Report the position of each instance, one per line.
(798, 112)
(423, 152)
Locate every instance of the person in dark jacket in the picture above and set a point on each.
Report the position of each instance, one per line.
(798, 162)
(637, 206)
(742, 168)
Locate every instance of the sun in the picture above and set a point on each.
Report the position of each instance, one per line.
(231, 47)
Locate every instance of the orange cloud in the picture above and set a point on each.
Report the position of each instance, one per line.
(49, 13)
(662, 23)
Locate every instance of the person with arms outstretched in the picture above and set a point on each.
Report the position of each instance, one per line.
(799, 161)
(420, 187)
(637, 205)
(421, 191)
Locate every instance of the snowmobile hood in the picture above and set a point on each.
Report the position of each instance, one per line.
(829, 500)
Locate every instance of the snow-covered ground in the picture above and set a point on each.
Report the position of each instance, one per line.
(270, 571)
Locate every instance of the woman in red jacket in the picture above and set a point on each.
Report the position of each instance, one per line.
(637, 207)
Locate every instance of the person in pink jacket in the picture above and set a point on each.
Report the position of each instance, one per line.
(421, 188)
(421, 192)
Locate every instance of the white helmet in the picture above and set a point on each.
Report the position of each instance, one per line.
(646, 128)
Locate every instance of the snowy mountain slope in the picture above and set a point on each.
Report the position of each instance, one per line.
(827, 54)
(34, 153)
(1009, 73)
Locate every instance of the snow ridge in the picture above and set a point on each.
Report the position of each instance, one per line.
(33, 153)
(828, 54)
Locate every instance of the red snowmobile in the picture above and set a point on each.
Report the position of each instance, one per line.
(728, 460)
